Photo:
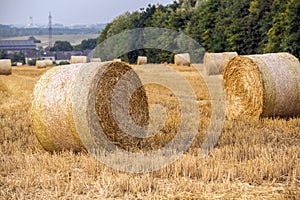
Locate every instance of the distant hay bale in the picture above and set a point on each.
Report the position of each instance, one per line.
(214, 63)
(117, 60)
(41, 64)
(49, 62)
(5, 67)
(19, 64)
(262, 86)
(182, 59)
(78, 59)
(95, 60)
(141, 60)
(72, 103)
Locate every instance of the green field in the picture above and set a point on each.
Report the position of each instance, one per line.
(74, 39)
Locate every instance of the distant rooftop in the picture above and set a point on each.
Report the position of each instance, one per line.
(17, 45)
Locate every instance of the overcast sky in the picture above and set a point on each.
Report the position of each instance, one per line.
(68, 11)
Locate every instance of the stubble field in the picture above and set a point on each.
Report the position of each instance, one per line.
(252, 159)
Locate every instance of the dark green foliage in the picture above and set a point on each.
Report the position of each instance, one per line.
(245, 26)
(86, 44)
(3, 54)
(64, 63)
(32, 62)
(292, 40)
(18, 57)
(62, 46)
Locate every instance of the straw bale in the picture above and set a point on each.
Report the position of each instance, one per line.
(117, 60)
(78, 59)
(49, 62)
(214, 63)
(265, 85)
(5, 67)
(19, 64)
(182, 59)
(141, 60)
(40, 64)
(95, 60)
(73, 102)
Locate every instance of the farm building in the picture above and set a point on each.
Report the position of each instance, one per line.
(48, 56)
(17, 45)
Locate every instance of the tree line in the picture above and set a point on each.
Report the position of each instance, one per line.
(66, 46)
(245, 26)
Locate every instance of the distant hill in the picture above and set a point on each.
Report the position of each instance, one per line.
(9, 31)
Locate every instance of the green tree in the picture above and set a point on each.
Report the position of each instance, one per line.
(103, 34)
(237, 30)
(259, 22)
(3, 54)
(62, 46)
(292, 41)
(88, 44)
(18, 57)
(276, 34)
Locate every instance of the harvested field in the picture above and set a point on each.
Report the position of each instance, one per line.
(252, 160)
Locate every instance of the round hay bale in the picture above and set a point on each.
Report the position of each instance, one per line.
(141, 60)
(49, 62)
(214, 63)
(182, 59)
(5, 67)
(117, 60)
(19, 64)
(95, 60)
(262, 86)
(72, 102)
(78, 59)
(41, 64)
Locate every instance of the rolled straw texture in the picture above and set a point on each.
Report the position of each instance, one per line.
(78, 59)
(41, 64)
(141, 60)
(182, 59)
(5, 67)
(262, 86)
(214, 63)
(72, 103)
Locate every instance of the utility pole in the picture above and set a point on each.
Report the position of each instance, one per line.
(50, 30)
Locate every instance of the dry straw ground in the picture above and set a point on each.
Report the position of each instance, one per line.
(252, 160)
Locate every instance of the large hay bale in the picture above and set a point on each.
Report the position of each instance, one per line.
(5, 67)
(78, 59)
(141, 60)
(49, 63)
(72, 103)
(117, 60)
(182, 59)
(262, 86)
(214, 63)
(95, 60)
(41, 64)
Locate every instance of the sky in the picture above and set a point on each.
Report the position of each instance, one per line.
(68, 12)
